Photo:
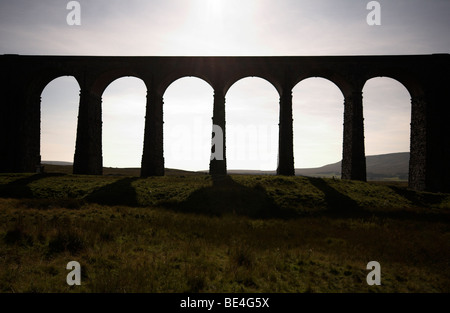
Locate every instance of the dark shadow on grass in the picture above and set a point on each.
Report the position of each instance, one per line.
(226, 196)
(19, 188)
(421, 199)
(342, 206)
(408, 215)
(118, 193)
(338, 204)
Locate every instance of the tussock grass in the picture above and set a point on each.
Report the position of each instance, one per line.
(243, 194)
(236, 234)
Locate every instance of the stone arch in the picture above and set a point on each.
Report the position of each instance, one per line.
(48, 80)
(172, 78)
(187, 123)
(64, 121)
(123, 119)
(340, 82)
(314, 124)
(88, 153)
(42, 78)
(232, 81)
(30, 136)
(102, 81)
(387, 127)
(249, 141)
(408, 80)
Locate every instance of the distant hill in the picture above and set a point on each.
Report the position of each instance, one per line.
(56, 163)
(392, 166)
(67, 168)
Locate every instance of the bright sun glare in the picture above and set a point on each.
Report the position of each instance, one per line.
(214, 8)
(216, 27)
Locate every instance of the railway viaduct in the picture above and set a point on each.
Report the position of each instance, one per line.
(426, 77)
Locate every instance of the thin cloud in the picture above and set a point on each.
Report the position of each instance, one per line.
(236, 27)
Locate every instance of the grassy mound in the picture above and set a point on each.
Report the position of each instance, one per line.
(255, 196)
(219, 234)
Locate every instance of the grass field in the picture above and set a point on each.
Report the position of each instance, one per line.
(193, 233)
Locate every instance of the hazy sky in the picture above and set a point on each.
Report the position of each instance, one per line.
(226, 27)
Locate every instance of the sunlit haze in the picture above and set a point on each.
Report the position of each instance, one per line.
(225, 28)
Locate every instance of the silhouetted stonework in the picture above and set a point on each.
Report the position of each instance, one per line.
(354, 159)
(219, 167)
(426, 77)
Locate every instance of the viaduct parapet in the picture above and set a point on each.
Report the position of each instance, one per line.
(426, 77)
